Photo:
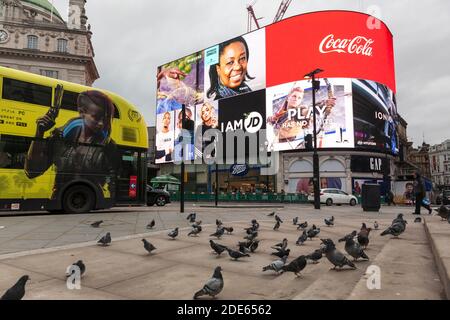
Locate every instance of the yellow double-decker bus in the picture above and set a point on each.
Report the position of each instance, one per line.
(68, 147)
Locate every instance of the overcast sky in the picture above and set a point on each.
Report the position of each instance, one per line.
(131, 38)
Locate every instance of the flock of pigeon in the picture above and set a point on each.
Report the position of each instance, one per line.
(243, 249)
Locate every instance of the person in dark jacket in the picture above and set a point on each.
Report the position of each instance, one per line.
(419, 192)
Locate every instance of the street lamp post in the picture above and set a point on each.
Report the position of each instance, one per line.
(316, 176)
(183, 119)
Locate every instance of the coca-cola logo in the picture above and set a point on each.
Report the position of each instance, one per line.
(358, 45)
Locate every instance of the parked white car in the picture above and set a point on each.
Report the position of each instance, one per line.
(332, 196)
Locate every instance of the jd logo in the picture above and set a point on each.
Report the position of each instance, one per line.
(134, 115)
(374, 277)
(253, 122)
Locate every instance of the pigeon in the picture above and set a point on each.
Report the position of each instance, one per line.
(302, 238)
(329, 222)
(17, 291)
(151, 224)
(295, 265)
(80, 265)
(96, 224)
(243, 247)
(173, 234)
(195, 230)
(196, 224)
(276, 265)
(218, 222)
(105, 240)
(253, 245)
(255, 225)
(395, 229)
(213, 286)
(313, 232)
(337, 258)
(315, 256)
(418, 220)
(399, 218)
(283, 244)
(443, 212)
(218, 248)
(363, 236)
(236, 254)
(251, 236)
(271, 214)
(281, 253)
(375, 225)
(219, 233)
(148, 246)
(229, 230)
(191, 217)
(353, 234)
(294, 221)
(303, 225)
(278, 219)
(354, 249)
(276, 226)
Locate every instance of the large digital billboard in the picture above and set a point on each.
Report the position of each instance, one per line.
(262, 73)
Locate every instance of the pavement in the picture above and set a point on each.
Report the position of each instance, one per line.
(43, 246)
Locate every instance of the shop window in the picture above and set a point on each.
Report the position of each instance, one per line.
(301, 166)
(332, 166)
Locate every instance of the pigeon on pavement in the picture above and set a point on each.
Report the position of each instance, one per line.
(418, 220)
(329, 222)
(303, 237)
(253, 245)
(375, 225)
(191, 217)
(313, 232)
(218, 248)
(315, 256)
(281, 253)
(105, 240)
(271, 214)
(363, 236)
(276, 265)
(151, 224)
(213, 286)
(276, 226)
(354, 249)
(219, 232)
(17, 291)
(283, 244)
(229, 230)
(396, 228)
(303, 225)
(148, 246)
(443, 212)
(243, 247)
(352, 234)
(251, 236)
(398, 219)
(218, 223)
(173, 234)
(337, 258)
(295, 265)
(294, 221)
(80, 265)
(96, 224)
(195, 230)
(278, 219)
(236, 254)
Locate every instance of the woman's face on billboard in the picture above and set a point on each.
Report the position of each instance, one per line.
(166, 119)
(232, 66)
(206, 112)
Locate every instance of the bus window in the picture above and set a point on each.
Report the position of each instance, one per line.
(69, 101)
(13, 151)
(26, 92)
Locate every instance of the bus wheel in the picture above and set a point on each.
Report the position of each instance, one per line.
(78, 199)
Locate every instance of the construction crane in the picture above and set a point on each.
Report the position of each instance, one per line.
(252, 17)
(282, 10)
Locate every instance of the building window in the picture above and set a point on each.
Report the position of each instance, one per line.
(50, 73)
(32, 42)
(62, 45)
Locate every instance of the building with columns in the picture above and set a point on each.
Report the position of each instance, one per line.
(35, 37)
(440, 163)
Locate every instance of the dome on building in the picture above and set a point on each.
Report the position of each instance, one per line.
(45, 5)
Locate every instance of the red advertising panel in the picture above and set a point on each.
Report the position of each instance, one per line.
(344, 44)
(132, 187)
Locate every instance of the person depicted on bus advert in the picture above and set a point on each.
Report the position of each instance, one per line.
(209, 120)
(82, 147)
(228, 77)
(165, 140)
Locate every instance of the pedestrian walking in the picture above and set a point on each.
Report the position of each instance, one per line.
(419, 193)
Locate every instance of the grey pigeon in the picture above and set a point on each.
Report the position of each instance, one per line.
(218, 223)
(295, 266)
(271, 214)
(243, 247)
(105, 240)
(354, 249)
(80, 265)
(363, 236)
(251, 236)
(191, 217)
(17, 291)
(276, 265)
(96, 224)
(395, 229)
(213, 286)
(218, 248)
(219, 233)
(303, 237)
(276, 226)
(443, 212)
(255, 225)
(303, 225)
(313, 232)
(173, 234)
(278, 219)
(283, 244)
(418, 220)
(281, 253)
(151, 224)
(337, 258)
(253, 245)
(294, 221)
(375, 225)
(352, 234)
(148, 246)
(399, 218)
(315, 256)
(236, 254)
(329, 222)
(196, 224)
(195, 230)
(229, 230)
